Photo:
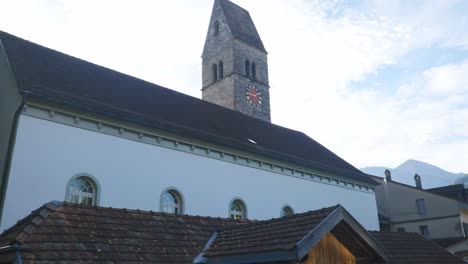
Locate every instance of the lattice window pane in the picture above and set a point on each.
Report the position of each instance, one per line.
(287, 211)
(237, 210)
(82, 191)
(171, 202)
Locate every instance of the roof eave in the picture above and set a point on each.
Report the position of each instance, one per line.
(30, 95)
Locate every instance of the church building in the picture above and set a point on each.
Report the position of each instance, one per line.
(77, 132)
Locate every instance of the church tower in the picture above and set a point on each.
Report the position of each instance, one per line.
(234, 62)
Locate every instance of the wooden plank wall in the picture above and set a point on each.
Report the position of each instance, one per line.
(330, 251)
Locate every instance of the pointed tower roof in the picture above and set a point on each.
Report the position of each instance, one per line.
(241, 24)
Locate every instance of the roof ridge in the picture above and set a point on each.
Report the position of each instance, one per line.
(44, 86)
(151, 212)
(279, 219)
(131, 76)
(83, 60)
(139, 79)
(39, 215)
(233, 4)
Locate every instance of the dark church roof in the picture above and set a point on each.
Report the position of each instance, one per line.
(59, 79)
(241, 24)
(64, 232)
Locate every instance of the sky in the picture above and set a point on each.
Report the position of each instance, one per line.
(376, 82)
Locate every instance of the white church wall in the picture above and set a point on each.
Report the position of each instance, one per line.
(133, 174)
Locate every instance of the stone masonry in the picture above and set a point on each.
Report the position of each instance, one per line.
(232, 39)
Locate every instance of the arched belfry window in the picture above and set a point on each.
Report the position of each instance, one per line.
(220, 69)
(247, 68)
(254, 71)
(216, 28)
(82, 189)
(237, 209)
(172, 202)
(287, 211)
(215, 72)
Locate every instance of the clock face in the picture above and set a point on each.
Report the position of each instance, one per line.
(253, 96)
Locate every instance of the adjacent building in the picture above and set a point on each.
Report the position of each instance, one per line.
(440, 214)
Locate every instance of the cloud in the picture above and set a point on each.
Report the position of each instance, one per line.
(448, 79)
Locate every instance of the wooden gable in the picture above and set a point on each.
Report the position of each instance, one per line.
(329, 251)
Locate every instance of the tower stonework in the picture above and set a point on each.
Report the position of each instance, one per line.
(234, 62)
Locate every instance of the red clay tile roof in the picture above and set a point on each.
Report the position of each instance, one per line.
(68, 232)
(448, 241)
(63, 232)
(275, 234)
(413, 248)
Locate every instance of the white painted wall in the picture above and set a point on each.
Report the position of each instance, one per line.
(133, 175)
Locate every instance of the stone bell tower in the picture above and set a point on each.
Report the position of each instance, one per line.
(235, 68)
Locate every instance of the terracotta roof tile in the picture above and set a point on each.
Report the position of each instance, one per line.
(413, 248)
(275, 234)
(72, 233)
(448, 241)
(84, 233)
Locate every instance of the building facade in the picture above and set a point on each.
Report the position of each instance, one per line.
(411, 209)
(85, 134)
(441, 218)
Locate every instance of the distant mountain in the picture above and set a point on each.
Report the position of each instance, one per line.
(431, 176)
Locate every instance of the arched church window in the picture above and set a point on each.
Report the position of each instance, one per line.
(254, 71)
(215, 72)
(221, 70)
(238, 210)
(247, 68)
(82, 190)
(287, 211)
(216, 28)
(172, 202)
